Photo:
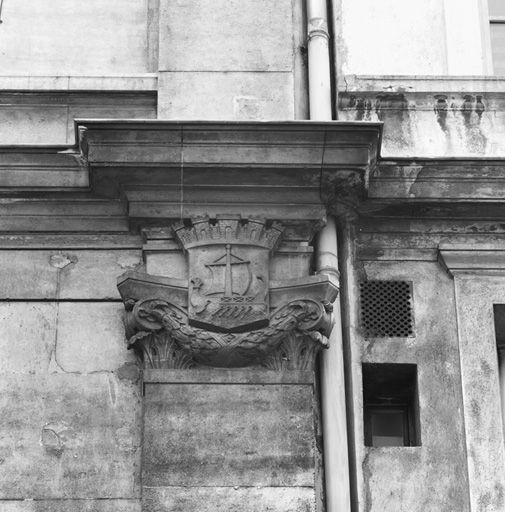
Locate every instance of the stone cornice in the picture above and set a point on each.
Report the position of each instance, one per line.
(423, 83)
(481, 259)
(438, 179)
(64, 83)
(154, 171)
(170, 169)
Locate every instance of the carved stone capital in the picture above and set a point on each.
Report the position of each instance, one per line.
(161, 333)
(297, 351)
(158, 349)
(228, 313)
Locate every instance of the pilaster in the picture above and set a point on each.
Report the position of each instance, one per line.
(479, 283)
(228, 358)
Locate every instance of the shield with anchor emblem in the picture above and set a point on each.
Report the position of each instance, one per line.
(228, 262)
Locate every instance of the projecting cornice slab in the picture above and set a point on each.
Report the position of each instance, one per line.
(174, 169)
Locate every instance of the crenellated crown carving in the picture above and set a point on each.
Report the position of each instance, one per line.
(230, 230)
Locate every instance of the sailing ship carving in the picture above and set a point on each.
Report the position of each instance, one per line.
(229, 284)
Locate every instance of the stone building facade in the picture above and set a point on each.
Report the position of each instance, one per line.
(252, 256)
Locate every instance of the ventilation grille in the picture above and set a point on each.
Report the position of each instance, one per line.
(386, 309)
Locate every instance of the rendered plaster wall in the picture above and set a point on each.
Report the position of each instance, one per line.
(65, 37)
(70, 408)
(413, 37)
(431, 477)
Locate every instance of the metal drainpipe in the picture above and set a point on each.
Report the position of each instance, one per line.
(319, 61)
(336, 459)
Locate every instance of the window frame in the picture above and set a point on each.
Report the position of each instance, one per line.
(489, 21)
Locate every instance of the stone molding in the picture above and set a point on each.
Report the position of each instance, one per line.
(477, 260)
(79, 83)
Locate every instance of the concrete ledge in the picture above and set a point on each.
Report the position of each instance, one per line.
(486, 259)
(224, 376)
(98, 505)
(420, 83)
(145, 82)
(239, 499)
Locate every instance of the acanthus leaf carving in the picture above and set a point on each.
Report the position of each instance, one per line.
(297, 351)
(158, 350)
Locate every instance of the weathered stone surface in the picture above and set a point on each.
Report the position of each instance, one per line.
(226, 35)
(28, 336)
(27, 275)
(235, 95)
(48, 117)
(430, 180)
(228, 499)
(37, 167)
(431, 118)
(69, 436)
(32, 125)
(280, 153)
(228, 435)
(65, 274)
(108, 505)
(64, 39)
(476, 295)
(434, 475)
(94, 274)
(409, 485)
(171, 263)
(129, 83)
(90, 337)
(288, 264)
(64, 223)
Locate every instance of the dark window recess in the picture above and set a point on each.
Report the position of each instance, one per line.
(386, 309)
(391, 405)
(499, 324)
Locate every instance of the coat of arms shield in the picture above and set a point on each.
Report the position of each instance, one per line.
(228, 273)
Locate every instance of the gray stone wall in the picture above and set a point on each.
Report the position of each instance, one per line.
(70, 420)
(432, 476)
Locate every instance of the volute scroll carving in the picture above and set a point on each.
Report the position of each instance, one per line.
(231, 315)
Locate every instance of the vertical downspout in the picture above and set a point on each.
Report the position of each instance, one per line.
(319, 61)
(336, 460)
(333, 401)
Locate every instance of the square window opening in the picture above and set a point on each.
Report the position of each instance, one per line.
(391, 405)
